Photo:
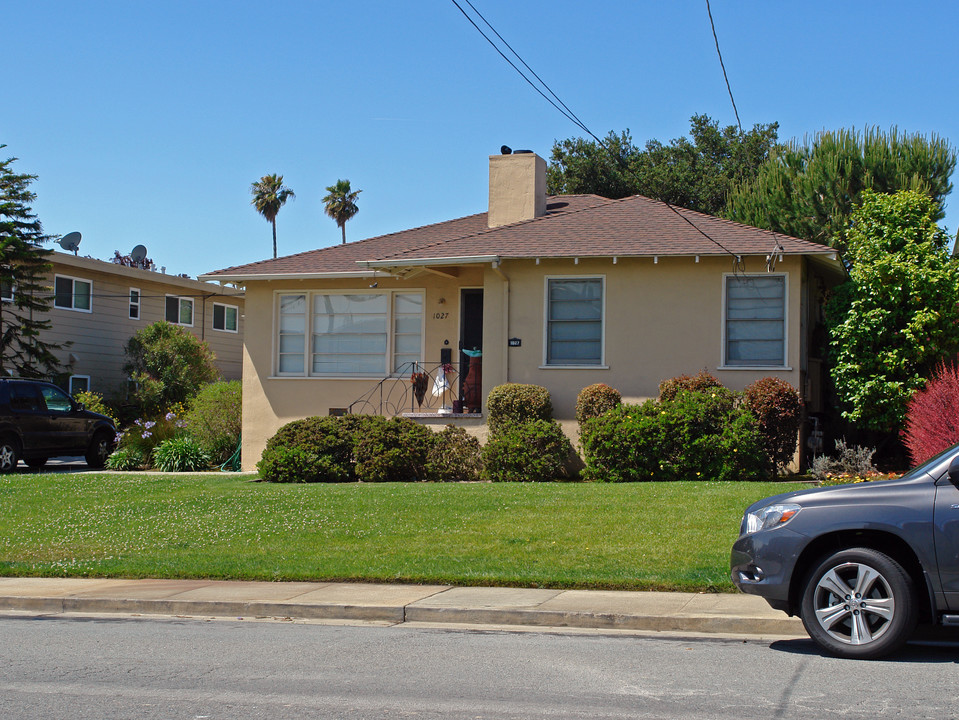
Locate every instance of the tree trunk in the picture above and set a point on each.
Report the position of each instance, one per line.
(273, 223)
(343, 228)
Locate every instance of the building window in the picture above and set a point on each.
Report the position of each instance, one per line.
(72, 293)
(134, 304)
(79, 383)
(349, 334)
(225, 317)
(574, 321)
(179, 310)
(6, 290)
(755, 321)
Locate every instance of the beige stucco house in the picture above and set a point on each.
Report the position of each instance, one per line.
(562, 292)
(97, 306)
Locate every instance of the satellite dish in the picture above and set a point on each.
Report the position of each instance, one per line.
(138, 254)
(70, 242)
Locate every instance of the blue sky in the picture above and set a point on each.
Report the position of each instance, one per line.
(147, 122)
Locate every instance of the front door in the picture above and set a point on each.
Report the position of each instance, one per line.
(471, 338)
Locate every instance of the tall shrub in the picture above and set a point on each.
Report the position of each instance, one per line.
(214, 419)
(594, 400)
(168, 364)
(777, 408)
(932, 416)
(514, 404)
(314, 449)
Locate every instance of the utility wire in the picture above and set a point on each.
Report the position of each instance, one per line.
(723, 66)
(557, 103)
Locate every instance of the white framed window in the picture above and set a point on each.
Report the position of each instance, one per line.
(575, 321)
(179, 310)
(134, 303)
(79, 383)
(361, 334)
(225, 317)
(70, 293)
(6, 290)
(754, 320)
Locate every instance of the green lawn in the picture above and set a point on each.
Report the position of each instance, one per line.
(662, 536)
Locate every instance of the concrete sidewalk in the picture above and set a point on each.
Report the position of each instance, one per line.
(721, 614)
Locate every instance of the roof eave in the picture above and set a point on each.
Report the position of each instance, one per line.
(246, 277)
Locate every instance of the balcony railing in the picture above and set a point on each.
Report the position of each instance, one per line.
(413, 388)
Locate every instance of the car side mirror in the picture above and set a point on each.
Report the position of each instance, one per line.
(953, 471)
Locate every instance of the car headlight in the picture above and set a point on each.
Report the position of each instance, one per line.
(771, 516)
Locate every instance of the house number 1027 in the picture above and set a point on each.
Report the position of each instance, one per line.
(440, 315)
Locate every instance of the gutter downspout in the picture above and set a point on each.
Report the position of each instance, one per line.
(505, 279)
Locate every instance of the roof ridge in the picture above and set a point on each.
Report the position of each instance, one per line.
(488, 230)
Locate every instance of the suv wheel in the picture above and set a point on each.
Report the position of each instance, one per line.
(100, 448)
(859, 603)
(9, 454)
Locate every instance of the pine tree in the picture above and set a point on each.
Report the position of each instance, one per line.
(26, 298)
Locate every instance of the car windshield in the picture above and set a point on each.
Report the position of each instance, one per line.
(930, 463)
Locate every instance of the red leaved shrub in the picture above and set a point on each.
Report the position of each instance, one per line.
(776, 406)
(932, 417)
(700, 382)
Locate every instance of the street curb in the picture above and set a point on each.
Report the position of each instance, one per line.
(414, 613)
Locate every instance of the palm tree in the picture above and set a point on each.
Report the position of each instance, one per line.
(269, 195)
(341, 203)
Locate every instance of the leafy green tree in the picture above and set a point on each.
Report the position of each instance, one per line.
(810, 189)
(695, 172)
(340, 204)
(269, 195)
(898, 314)
(23, 267)
(169, 365)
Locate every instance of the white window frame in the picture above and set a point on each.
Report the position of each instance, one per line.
(73, 293)
(226, 308)
(308, 295)
(601, 365)
(13, 289)
(180, 299)
(138, 304)
(724, 320)
(80, 377)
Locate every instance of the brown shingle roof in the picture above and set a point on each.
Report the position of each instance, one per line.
(574, 226)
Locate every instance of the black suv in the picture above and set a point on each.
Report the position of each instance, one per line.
(861, 564)
(39, 421)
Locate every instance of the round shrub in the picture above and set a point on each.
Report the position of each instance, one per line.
(214, 419)
(700, 382)
(776, 406)
(125, 459)
(395, 450)
(535, 451)
(323, 452)
(180, 454)
(515, 404)
(454, 456)
(594, 400)
(696, 436)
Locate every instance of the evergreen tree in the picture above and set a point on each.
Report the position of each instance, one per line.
(809, 190)
(23, 267)
(896, 316)
(696, 172)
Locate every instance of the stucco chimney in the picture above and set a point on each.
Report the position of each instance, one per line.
(517, 188)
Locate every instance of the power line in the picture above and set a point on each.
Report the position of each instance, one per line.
(723, 66)
(561, 106)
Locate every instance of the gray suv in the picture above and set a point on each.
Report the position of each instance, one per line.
(38, 421)
(861, 564)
